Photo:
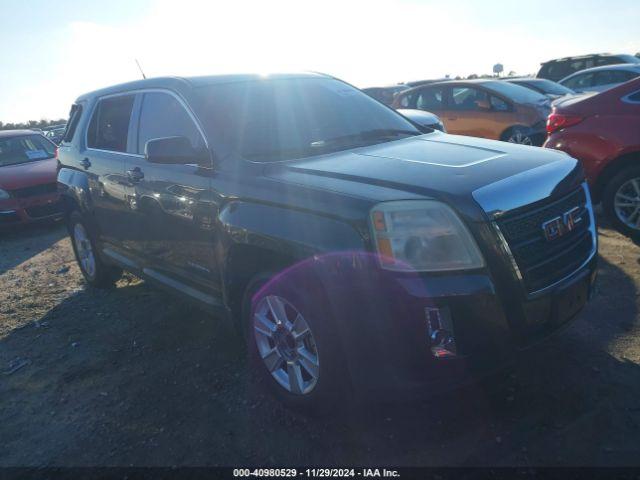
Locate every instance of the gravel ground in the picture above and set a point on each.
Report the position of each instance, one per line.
(132, 376)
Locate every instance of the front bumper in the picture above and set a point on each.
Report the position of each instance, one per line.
(386, 339)
(21, 211)
(519, 299)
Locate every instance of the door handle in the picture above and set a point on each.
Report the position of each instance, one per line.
(135, 174)
(86, 163)
(452, 118)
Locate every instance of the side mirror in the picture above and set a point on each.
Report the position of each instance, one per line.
(174, 150)
(483, 104)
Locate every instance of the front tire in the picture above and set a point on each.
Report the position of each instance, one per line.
(293, 350)
(95, 272)
(621, 201)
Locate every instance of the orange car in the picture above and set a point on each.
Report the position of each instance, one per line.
(483, 108)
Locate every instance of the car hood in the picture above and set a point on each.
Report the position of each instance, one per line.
(28, 174)
(462, 171)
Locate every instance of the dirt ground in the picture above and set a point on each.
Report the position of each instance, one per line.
(134, 377)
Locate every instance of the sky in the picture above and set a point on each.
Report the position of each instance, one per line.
(52, 52)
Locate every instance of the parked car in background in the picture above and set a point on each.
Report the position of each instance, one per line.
(355, 252)
(426, 120)
(551, 89)
(55, 135)
(28, 189)
(419, 83)
(385, 94)
(599, 79)
(603, 131)
(563, 67)
(483, 108)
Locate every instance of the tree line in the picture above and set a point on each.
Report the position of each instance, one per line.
(31, 124)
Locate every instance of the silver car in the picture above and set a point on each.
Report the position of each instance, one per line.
(599, 79)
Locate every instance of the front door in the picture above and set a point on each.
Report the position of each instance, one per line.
(172, 204)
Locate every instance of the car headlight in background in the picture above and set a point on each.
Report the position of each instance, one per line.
(422, 236)
(4, 194)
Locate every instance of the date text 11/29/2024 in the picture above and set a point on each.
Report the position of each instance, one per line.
(315, 472)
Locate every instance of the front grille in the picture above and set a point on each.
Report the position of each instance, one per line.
(44, 210)
(35, 190)
(543, 262)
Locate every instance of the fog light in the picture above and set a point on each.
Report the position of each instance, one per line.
(440, 330)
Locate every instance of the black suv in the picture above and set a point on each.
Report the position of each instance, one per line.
(356, 252)
(560, 68)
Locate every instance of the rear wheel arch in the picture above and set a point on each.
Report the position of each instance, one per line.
(627, 160)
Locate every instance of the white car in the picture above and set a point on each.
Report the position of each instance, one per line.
(599, 79)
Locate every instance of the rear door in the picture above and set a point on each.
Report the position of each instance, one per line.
(172, 204)
(106, 144)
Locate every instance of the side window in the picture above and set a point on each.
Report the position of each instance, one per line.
(430, 99)
(608, 61)
(580, 81)
(162, 115)
(466, 98)
(576, 66)
(72, 124)
(109, 127)
(499, 105)
(407, 100)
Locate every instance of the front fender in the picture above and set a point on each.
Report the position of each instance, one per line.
(292, 233)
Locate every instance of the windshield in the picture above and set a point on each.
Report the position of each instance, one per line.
(23, 149)
(547, 86)
(278, 119)
(516, 92)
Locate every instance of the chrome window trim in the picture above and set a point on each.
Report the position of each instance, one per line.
(504, 245)
(627, 98)
(175, 95)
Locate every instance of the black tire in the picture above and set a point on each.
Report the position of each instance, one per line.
(608, 198)
(102, 275)
(519, 135)
(306, 295)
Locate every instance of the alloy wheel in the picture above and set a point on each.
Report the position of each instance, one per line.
(626, 203)
(520, 137)
(86, 256)
(286, 344)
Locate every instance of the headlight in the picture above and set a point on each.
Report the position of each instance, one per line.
(422, 236)
(3, 194)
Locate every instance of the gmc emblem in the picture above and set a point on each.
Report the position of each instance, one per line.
(561, 225)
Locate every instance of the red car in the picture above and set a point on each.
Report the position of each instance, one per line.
(603, 131)
(28, 188)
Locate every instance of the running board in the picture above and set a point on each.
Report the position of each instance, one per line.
(127, 262)
(181, 287)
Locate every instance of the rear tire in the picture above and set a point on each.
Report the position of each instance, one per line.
(292, 347)
(621, 201)
(96, 273)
